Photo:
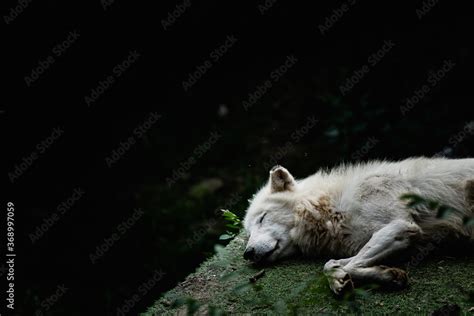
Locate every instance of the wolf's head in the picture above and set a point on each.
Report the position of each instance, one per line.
(270, 218)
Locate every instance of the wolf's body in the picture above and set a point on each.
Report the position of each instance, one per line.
(355, 213)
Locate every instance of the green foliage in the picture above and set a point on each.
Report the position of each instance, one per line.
(443, 211)
(233, 225)
(413, 200)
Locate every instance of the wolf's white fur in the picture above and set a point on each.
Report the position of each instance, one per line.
(354, 212)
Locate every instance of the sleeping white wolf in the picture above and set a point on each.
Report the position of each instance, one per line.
(354, 213)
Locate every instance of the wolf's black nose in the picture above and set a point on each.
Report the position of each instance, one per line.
(249, 254)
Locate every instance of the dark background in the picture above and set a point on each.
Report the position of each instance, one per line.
(180, 225)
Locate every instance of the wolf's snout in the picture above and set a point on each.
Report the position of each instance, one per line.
(255, 256)
(249, 253)
(259, 253)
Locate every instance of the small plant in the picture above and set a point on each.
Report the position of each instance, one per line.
(233, 224)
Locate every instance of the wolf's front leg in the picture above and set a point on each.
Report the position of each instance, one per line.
(392, 238)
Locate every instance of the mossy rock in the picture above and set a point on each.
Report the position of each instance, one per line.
(297, 287)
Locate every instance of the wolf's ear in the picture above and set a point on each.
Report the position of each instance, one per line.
(281, 180)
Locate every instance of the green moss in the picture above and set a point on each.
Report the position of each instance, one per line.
(221, 285)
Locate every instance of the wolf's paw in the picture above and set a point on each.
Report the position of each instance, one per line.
(396, 278)
(339, 280)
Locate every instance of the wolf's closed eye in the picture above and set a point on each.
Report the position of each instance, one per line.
(261, 218)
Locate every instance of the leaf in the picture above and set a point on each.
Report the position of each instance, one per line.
(178, 302)
(444, 211)
(226, 237)
(433, 205)
(413, 200)
(234, 224)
